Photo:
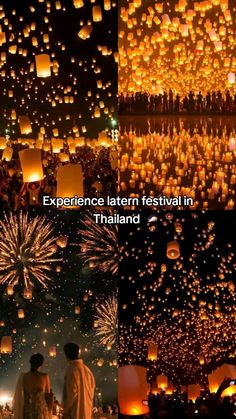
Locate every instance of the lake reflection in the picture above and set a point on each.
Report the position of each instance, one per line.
(172, 156)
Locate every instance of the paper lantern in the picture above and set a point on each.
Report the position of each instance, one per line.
(25, 125)
(100, 362)
(97, 14)
(53, 351)
(70, 181)
(57, 145)
(21, 313)
(3, 143)
(194, 391)
(31, 165)
(43, 65)
(231, 78)
(27, 294)
(173, 251)
(85, 32)
(152, 351)
(6, 345)
(10, 290)
(132, 390)
(62, 241)
(162, 382)
(77, 310)
(215, 379)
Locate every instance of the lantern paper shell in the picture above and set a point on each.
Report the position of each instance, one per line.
(6, 345)
(70, 181)
(21, 313)
(31, 165)
(132, 390)
(25, 125)
(173, 251)
(162, 382)
(7, 154)
(53, 351)
(194, 391)
(3, 143)
(215, 379)
(43, 65)
(152, 351)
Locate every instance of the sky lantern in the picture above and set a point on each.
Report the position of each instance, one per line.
(132, 390)
(162, 382)
(85, 32)
(28, 294)
(173, 250)
(194, 391)
(6, 345)
(97, 14)
(231, 77)
(216, 377)
(31, 165)
(3, 143)
(21, 313)
(70, 181)
(53, 351)
(152, 351)
(43, 65)
(25, 125)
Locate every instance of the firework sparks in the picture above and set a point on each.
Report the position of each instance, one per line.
(99, 245)
(26, 250)
(106, 322)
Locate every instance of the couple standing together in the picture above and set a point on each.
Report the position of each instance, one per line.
(33, 396)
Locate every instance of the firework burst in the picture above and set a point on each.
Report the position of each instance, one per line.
(106, 321)
(26, 250)
(99, 245)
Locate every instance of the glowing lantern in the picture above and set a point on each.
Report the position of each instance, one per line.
(27, 294)
(43, 65)
(70, 181)
(62, 241)
(25, 125)
(97, 14)
(194, 391)
(85, 32)
(215, 379)
(53, 351)
(31, 165)
(152, 351)
(3, 143)
(77, 310)
(162, 382)
(10, 290)
(6, 345)
(231, 78)
(173, 251)
(132, 390)
(100, 362)
(21, 313)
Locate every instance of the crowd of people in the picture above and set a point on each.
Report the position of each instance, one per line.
(100, 178)
(207, 406)
(34, 398)
(171, 103)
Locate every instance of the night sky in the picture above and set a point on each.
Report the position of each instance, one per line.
(50, 319)
(79, 64)
(187, 305)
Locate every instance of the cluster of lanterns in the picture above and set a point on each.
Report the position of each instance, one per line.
(201, 166)
(181, 46)
(47, 71)
(182, 296)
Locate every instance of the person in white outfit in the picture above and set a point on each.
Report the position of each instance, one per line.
(79, 386)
